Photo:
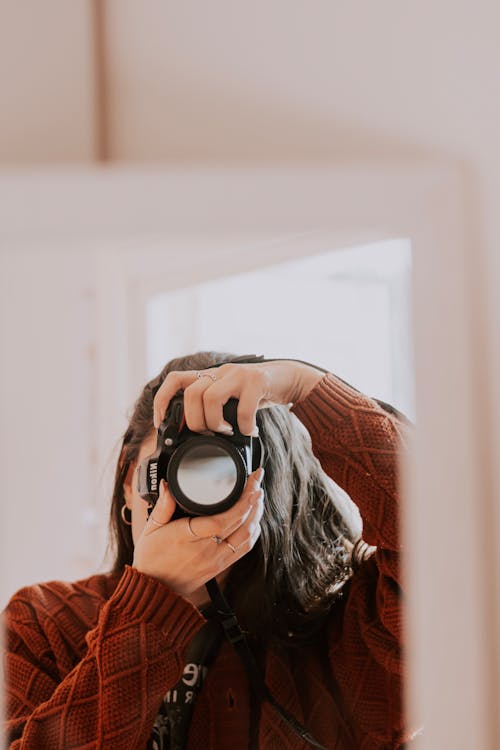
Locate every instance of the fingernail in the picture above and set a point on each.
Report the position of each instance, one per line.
(163, 488)
(255, 432)
(260, 475)
(225, 428)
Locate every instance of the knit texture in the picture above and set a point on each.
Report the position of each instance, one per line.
(88, 663)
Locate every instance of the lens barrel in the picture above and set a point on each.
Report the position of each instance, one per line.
(206, 474)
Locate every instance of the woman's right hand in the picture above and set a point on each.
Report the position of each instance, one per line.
(186, 559)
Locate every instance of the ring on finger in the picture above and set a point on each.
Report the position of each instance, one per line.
(217, 539)
(210, 375)
(156, 523)
(190, 529)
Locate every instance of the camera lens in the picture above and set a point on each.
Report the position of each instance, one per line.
(207, 474)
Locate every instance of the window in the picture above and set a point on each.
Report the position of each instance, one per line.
(347, 310)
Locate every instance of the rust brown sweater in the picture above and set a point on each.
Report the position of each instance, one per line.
(88, 663)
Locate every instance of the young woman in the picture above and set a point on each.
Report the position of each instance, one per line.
(136, 659)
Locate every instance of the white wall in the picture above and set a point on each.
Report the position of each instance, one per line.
(48, 378)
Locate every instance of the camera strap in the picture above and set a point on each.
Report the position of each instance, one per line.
(236, 637)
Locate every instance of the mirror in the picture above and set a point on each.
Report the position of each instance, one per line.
(108, 281)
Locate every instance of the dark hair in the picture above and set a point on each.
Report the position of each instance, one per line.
(284, 587)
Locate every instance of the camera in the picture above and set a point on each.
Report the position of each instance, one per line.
(206, 473)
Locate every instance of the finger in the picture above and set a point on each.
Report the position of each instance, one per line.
(249, 393)
(194, 412)
(214, 399)
(223, 383)
(247, 410)
(163, 510)
(229, 529)
(222, 524)
(228, 553)
(173, 382)
(244, 538)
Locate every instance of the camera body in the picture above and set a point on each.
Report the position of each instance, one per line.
(205, 473)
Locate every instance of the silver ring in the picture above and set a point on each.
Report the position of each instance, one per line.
(191, 530)
(210, 375)
(156, 523)
(217, 539)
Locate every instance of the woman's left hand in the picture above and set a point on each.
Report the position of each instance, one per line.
(254, 385)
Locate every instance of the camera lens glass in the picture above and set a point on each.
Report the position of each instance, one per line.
(207, 474)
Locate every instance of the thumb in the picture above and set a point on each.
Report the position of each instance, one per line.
(164, 508)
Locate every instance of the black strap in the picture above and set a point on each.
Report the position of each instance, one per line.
(236, 637)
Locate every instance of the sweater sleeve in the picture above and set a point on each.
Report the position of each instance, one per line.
(110, 698)
(359, 445)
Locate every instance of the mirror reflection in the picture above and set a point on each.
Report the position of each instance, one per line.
(310, 539)
(312, 536)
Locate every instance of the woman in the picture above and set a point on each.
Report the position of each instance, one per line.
(135, 658)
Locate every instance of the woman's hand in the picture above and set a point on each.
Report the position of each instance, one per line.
(186, 557)
(186, 553)
(254, 385)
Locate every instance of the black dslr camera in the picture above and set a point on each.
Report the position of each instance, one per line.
(206, 473)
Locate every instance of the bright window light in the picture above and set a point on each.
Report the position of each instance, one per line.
(347, 310)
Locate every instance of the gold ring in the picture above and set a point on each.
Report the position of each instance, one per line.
(210, 375)
(191, 530)
(156, 523)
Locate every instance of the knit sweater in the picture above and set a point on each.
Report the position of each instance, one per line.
(88, 663)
